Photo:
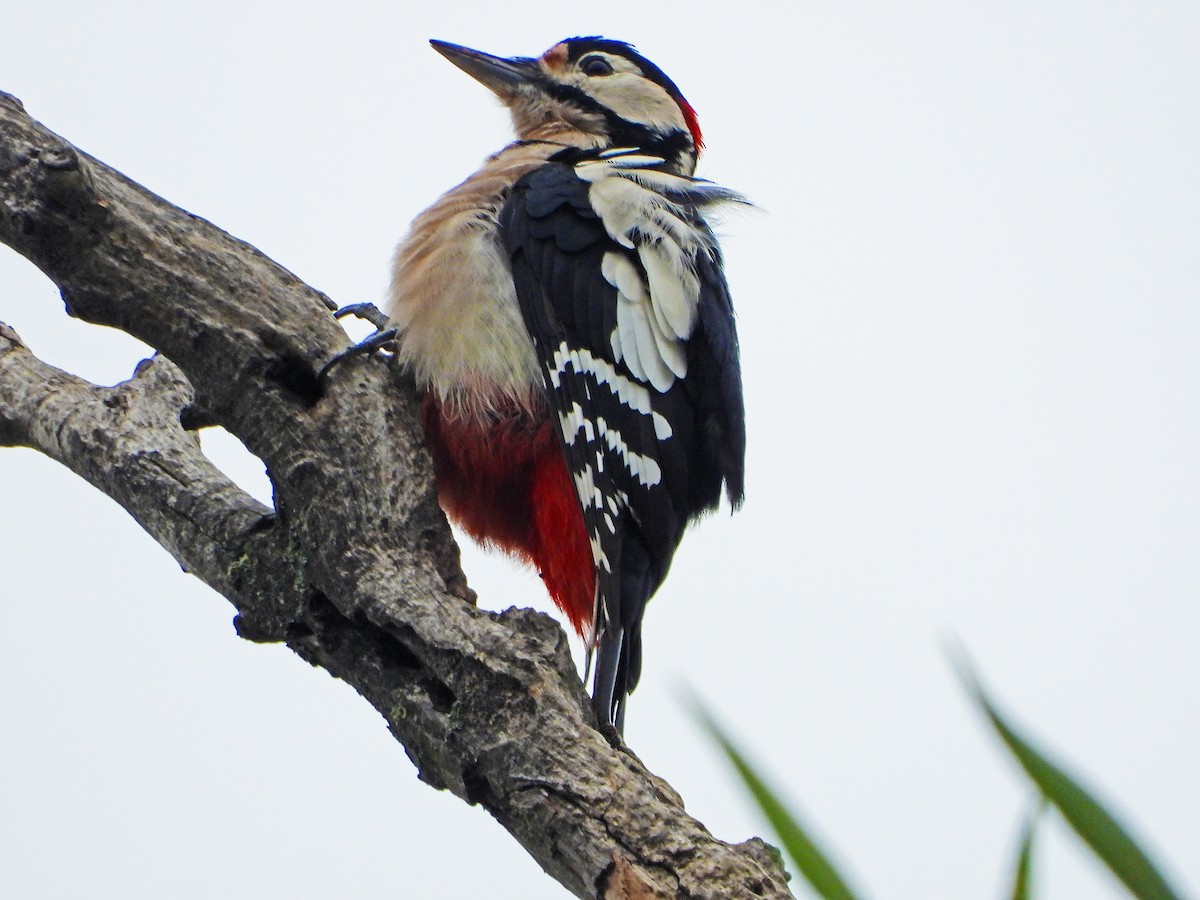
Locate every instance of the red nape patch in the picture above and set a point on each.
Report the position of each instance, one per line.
(693, 124)
(506, 484)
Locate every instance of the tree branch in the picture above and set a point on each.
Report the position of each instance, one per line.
(355, 569)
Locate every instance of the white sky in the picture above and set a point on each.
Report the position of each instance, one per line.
(970, 320)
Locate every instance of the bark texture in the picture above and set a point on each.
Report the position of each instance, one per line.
(355, 568)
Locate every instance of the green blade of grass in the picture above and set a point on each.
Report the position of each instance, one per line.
(806, 856)
(1023, 875)
(1091, 821)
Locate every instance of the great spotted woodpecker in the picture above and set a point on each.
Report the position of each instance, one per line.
(565, 311)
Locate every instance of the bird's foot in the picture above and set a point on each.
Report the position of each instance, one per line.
(384, 337)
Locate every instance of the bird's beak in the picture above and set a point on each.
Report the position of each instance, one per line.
(502, 76)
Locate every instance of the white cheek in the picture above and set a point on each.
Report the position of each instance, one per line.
(633, 98)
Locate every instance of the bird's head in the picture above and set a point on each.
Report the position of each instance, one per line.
(604, 93)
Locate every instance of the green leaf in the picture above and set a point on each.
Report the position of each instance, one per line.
(806, 856)
(1099, 830)
(1022, 876)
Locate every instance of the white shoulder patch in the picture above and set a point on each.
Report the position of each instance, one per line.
(640, 205)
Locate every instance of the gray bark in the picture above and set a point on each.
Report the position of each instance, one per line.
(355, 568)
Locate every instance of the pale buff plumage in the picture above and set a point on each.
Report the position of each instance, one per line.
(452, 293)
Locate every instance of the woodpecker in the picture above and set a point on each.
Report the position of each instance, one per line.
(566, 313)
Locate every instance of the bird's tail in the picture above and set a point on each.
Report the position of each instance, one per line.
(619, 632)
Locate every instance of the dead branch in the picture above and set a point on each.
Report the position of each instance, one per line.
(355, 569)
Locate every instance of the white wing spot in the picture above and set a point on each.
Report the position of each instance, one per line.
(585, 485)
(633, 395)
(644, 468)
(662, 428)
(574, 421)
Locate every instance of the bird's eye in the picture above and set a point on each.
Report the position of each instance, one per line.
(595, 65)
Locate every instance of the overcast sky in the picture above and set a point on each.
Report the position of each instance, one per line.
(970, 317)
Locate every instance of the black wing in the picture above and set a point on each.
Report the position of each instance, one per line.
(649, 448)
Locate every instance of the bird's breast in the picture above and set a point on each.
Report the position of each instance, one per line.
(453, 298)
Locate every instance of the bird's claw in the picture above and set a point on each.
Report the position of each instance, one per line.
(384, 337)
(368, 312)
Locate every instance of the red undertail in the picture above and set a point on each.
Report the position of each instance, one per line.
(506, 484)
